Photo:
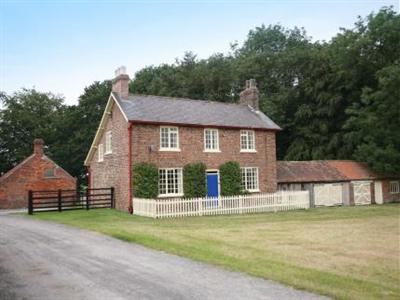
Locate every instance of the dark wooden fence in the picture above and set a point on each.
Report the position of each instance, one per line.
(59, 200)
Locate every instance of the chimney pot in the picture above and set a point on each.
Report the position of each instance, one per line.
(120, 71)
(250, 96)
(120, 84)
(38, 147)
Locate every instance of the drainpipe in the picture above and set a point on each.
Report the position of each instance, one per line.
(89, 175)
(130, 207)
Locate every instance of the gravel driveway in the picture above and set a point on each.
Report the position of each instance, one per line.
(42, 260)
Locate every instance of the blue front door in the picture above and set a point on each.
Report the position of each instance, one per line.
(212, 184)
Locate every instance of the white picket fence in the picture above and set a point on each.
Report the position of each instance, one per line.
(179, 207)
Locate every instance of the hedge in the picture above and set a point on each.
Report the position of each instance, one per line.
(231, 179)
(194, 180)
(145, 180)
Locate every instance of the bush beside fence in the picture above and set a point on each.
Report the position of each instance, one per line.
(225, 205)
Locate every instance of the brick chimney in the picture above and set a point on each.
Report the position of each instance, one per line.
(38, 147)
(250, 96)
(120, 83)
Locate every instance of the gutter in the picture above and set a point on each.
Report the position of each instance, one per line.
(202, 125)
(130, 200)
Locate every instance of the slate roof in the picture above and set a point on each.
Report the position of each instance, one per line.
(171, 110)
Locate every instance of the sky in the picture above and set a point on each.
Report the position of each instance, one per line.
(63, 46)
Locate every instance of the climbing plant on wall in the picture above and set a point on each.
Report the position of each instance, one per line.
(145, 180)
(231, 181)
(194, 180)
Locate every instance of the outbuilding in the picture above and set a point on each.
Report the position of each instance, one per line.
(36, 172)
(338, 182)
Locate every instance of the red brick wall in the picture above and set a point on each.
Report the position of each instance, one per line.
(192, 146)
(30, 176)
(387, 196)
(113, 171)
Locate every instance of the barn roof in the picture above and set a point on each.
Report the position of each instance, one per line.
(307, 171)
(323, 171)
(354, 170)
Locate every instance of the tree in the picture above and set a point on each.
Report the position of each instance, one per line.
(26, 115)
(374, 124)
(81, 121)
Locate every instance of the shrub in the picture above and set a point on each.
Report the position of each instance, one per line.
(231, 179)
(145, 180)
(194, 180)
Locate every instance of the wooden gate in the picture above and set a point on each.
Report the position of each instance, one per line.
(328, 194)
(60, 200)
(362, 192)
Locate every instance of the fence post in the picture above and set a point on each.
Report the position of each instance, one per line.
(87, 198)
(78, 197)
(200, 206)
(112, 197)
(30, 202)
(59, 201)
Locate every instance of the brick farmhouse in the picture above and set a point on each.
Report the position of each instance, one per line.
(172, 132)
(36, 172)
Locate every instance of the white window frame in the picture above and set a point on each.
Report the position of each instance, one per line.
(212, 141)
(108, 149)
(100, 151)
(179, 193)
(169, 148)
(394, 187)
(245, 182)
(249, 147)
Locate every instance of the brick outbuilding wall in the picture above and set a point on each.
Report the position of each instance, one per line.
(31, 175)
(387, 196)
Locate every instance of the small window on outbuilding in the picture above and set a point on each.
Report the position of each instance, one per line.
(394, 187)
(48, 173)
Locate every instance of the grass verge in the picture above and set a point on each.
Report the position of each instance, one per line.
(341, 252)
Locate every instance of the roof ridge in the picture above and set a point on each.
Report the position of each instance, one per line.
(186, 99)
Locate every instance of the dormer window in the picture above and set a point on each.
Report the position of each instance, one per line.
(247, 141)
(169, 139)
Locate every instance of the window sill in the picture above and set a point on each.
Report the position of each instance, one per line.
(248, 151)
(170, 195)
(107, 153)
(169, 150)
(253, 191)
(212, 151)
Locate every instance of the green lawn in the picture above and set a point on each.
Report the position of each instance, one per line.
(342, 252)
